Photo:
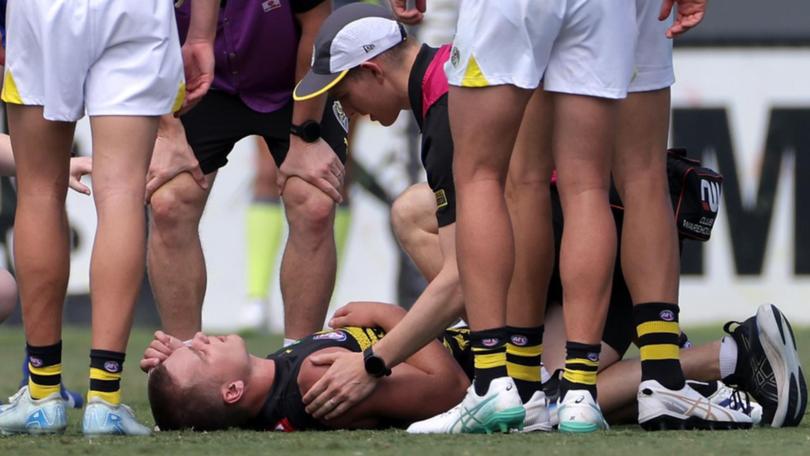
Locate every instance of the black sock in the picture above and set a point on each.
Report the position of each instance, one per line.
(523, 354)
(658, 335)
(581, 365)
(489, 352)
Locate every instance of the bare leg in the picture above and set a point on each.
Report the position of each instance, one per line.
(174, 255)
(41, 248)
(484, 139)
(413, 216)
(122, 147)
(583, 132)
(650, 256)
(309, 263)
(529, 202)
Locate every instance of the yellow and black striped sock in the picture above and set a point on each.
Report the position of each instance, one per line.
(489, 357)
(105, 375)
(581, 365)
(44, 369)
(658, 336)
(523, 352)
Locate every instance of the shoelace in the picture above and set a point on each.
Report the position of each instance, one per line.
(737, 402)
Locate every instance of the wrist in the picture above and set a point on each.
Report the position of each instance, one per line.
(170, 127)
(374, 364)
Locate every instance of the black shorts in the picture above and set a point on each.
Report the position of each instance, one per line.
(221, 119)
(619, 327)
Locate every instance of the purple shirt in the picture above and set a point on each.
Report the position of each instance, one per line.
(256, 48)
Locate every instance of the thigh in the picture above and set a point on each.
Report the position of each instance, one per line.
(213, 127)
(503, 42)
(41, 151)
(138, 69)
(653, 57)
(593, 54)
(122, 148)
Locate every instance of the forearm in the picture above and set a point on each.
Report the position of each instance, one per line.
(310, 23)
(438, 306)
(203, 25)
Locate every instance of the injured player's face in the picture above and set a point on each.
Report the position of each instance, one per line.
(211, 359)
(366, 92)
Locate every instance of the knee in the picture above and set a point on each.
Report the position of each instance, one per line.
(414, 210)
(309, 210)
(8, 294)
(175, 206)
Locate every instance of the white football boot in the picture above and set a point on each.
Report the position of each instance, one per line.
(578, 412)
(661, 408)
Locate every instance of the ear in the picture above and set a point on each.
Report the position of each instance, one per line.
(375, 69)
(232, 392)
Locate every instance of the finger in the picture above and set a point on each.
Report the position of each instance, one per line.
(666, 9)
(314, 397)
(330, 187)
(421, 5)
(413, 19)
(76, 185)
(151, 186)
(327, 359)
(198, 176)
(327, 407)
(148, 364)
(692, 20)
(337, 322)
(339, 410)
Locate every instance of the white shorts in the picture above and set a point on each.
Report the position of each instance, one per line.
(653, 62)
(110, 57)
(582, 47)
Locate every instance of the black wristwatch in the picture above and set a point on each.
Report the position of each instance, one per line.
(309, 131)
(375, 366)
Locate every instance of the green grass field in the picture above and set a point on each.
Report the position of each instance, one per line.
(625, 440)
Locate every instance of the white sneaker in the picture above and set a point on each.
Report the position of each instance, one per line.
(537, 415)
(500, 409)
(733, 399)
(103, 418)
(253, 315)
(578, 412)
(24, 415)
(661, 408)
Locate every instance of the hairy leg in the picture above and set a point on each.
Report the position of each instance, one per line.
(122, 147)
(41, 247)
(309, 263)
(176, 264)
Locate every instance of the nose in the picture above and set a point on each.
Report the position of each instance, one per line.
(200, 338)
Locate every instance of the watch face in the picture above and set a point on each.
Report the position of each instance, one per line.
(311, 131)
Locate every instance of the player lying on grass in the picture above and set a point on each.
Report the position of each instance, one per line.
(214, 383)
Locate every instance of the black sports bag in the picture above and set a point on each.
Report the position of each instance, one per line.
(695, 192)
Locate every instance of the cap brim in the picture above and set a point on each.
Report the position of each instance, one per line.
(314, 85)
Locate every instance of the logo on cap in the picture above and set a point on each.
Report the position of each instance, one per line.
(368, 47)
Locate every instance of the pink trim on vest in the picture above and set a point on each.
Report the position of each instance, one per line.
(434, 84)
